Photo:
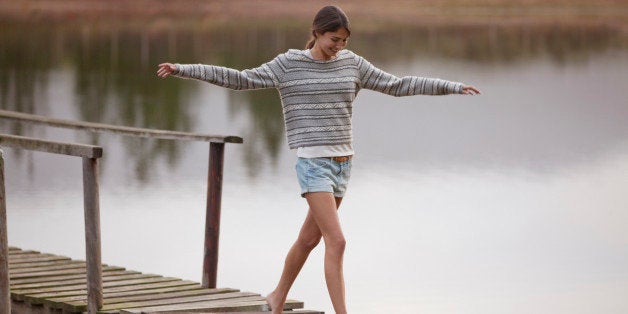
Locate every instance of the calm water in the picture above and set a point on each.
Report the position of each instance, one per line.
(511, 202)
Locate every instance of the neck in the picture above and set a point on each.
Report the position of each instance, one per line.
(318, 54)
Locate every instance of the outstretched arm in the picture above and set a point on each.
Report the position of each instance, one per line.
(260, 77)
(373, 78)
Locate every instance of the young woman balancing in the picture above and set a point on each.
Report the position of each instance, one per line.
(317, 88)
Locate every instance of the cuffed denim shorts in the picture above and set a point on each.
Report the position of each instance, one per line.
(323, 175)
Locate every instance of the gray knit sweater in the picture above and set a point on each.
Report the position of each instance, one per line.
(317, 96)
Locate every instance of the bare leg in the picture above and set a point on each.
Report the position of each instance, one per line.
(309, 237)
(322, 207)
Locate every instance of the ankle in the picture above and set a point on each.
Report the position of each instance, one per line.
(277, 296)
(275, 302)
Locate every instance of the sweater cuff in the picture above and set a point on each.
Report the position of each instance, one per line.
(458, 88)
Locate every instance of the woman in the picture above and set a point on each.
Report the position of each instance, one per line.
(317, 88)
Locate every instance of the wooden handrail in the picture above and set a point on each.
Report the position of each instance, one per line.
(123, 130)
(91, 207)
(214, 178)
(78, 150)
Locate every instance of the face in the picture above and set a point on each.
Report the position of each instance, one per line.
(330, 43)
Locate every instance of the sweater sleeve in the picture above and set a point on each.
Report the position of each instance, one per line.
(378, 80)
(256, 78)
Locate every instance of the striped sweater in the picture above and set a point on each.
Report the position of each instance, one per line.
(317, 96)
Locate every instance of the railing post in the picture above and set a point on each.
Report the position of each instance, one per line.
(92, 234)
(5, 297)
(212, 217)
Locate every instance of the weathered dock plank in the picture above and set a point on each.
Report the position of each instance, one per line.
(144, 286)
(110, 275)
(29, 258)
(127, 291)
(174, 289)
(16, 251)
(130, 282)
(253, 304)
(71, 271)
(180, 300)
(43, 264)
(171, 295)
(60, 266)
(143, 295)
(41, 295)
(60, 285)
(258, 312)
(80, 281)
(36, 293)
(147, 301)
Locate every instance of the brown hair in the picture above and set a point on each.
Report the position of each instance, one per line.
(328, 19)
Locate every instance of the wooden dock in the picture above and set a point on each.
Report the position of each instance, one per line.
(57, 284)
(37, 283)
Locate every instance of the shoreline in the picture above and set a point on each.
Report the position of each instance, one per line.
(364, 14)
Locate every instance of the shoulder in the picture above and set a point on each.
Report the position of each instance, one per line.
(294, 54)
(290, 54)
(360, 62)
(348, 54)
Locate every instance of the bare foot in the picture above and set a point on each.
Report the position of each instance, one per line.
(275, 303)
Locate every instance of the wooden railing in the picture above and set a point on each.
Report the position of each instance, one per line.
(91, 204)
(214, 181)
(122, 130)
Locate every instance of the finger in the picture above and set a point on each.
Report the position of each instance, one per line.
(166, 70)
(470, 90)
(475, 90)
(168, 66)
(161, 73)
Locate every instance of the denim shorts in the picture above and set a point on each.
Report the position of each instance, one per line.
(323, 175)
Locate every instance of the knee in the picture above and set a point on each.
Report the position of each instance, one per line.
(336, 244)
(308, 243)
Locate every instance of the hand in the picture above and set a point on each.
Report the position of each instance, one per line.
(470, 90)
(165, 69)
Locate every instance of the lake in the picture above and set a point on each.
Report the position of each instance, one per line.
(510, 202)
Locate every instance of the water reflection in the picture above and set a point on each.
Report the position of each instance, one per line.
(112, 69)
(517, 194)
(266, 134)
